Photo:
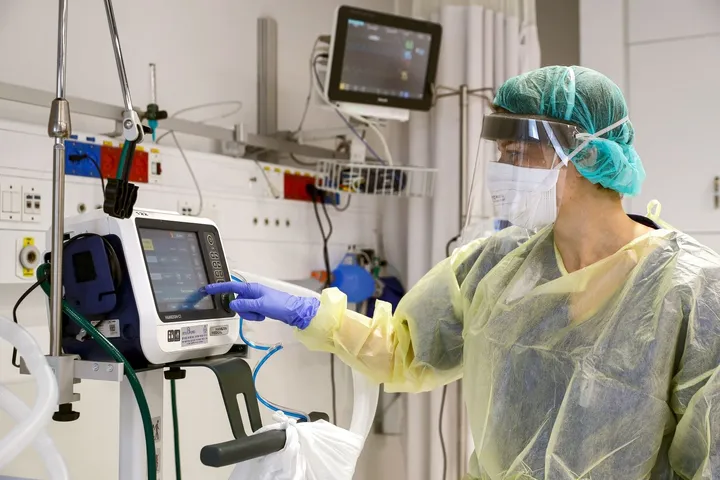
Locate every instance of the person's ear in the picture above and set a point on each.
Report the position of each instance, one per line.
(588, 157)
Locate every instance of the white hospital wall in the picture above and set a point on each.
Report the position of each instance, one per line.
(205, 52)
(663, 54)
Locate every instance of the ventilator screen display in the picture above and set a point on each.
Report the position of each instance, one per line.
(384, 60)
(176, 268)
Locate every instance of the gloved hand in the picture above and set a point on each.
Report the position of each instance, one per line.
(255, 302)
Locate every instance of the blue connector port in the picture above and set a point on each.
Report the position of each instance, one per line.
(82, 159)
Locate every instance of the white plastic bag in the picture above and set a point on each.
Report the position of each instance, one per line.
(313, 451)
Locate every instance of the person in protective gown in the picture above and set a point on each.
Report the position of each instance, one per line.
(588, 340)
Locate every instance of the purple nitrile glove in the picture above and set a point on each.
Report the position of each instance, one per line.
(255, 302)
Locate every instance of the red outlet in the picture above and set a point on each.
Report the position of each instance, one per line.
(296, 186)
(110, 159)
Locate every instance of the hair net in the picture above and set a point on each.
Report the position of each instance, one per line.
(592, 101)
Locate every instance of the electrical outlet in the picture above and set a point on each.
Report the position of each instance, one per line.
(32, 204)
(156, 166)
(28, 255)
(186, 208)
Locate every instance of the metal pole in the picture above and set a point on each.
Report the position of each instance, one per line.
(463, 152)
(460, 426)
(61, 48)
(118, 55)
(153, 85)
(59, 128)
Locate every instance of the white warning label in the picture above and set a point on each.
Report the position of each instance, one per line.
(157, 429)
(197, 335)
(218, 330)
(110, 328)
(158, 464)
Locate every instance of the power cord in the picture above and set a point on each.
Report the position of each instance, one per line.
(79, 157)
(310, 89)
(440, 430)
(238, 106)
(22, 298)
(302, 162)
(176, 429)
(320, 91)
(445, 388)
(114, 267)
(316, 196)
(347, 205)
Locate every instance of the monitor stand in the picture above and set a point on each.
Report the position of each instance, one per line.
(374, 111)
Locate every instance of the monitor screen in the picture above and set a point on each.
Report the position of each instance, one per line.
(176, 268)
(384, 60)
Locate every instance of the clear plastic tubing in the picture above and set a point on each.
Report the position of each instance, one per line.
(47, 392)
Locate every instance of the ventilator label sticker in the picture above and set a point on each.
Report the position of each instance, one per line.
(219, 330)
(197, 335)
(158, 465)
(157, 430)
(28, 242)
(110, 328)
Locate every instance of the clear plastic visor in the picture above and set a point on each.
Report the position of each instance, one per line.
(518, 175)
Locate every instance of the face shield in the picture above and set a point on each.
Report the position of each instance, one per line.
(519, 175)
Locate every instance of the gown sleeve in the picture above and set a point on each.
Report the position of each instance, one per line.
(418, 348)
(695, 395)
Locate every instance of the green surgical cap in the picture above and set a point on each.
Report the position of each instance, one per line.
(591, 100)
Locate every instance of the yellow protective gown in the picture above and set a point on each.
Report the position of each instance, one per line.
(609, 372)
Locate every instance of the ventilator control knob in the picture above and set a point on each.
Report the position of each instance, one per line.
(225, 300)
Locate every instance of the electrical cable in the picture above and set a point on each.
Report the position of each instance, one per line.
(392, 402)
(386, 147)
(310, 89)
(238, 106)
(84, 156)
(97, 167)
(192, 173)
(113, 261)
(440, 430)
(319, 86)
(271, 350)
(176, 430)
(104, 343)
(314, 194)
(342, 209)
(450, 242)
(445, 389)
(302, 162)
(209, 119)
(22, 298)
(333, 389)
(271, 187)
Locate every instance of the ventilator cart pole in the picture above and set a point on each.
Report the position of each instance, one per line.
(463, 93)
(59, 129)
(133, 462)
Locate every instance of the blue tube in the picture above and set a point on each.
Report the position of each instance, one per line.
(271, 350)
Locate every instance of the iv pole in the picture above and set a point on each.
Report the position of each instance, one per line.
(463, 92)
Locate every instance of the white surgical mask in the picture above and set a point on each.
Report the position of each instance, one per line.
(523, 196)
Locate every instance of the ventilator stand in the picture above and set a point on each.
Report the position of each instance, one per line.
(463, 93)
(69, 369)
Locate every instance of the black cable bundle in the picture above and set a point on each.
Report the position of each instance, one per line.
(318, 197)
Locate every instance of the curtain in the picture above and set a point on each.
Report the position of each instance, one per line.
(484, 43)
